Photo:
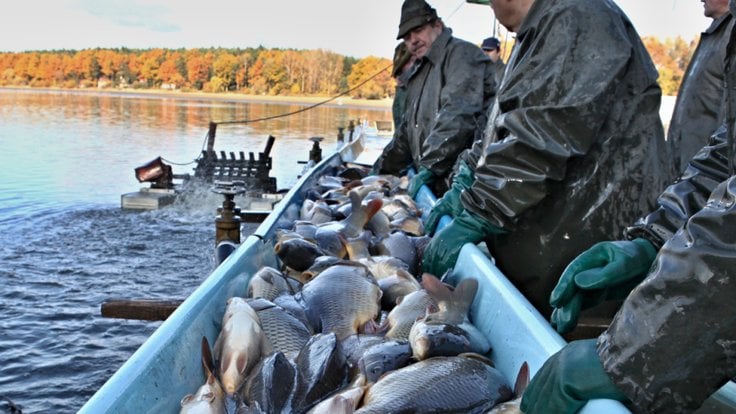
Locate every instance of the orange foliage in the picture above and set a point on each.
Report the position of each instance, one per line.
(269, 71)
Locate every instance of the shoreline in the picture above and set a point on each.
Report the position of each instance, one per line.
(225, 96)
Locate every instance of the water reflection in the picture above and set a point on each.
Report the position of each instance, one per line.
(66, 246)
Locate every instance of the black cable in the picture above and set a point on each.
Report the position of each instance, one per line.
(247, 121)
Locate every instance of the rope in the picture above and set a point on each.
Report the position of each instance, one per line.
(247, 121)
(462, 3)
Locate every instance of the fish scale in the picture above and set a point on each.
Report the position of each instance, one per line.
(442, 384)
(285, 333)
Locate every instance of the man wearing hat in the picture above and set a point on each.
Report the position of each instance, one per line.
(492, 48)
(448, 90)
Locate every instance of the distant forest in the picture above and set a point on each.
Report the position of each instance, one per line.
(258, 71)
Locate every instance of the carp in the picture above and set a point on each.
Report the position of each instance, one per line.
(409, 308)
(466, 383)
(449, 329)
(269, 283)
(341, 299)
(210, 397)
(240, 344)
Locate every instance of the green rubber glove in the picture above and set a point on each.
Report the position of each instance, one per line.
(424, 176)
(607, 271)
(450, 203)
(442, 251)
(568, 379)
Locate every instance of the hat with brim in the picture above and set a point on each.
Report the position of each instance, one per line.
(415, 13)
(491, 43)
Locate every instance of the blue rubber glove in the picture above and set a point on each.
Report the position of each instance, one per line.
(607, 271)
(568, 379)
(424, 176)
(450, 203)
(442, 251)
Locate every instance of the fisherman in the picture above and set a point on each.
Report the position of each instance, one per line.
(574, 146)
(448, 91)
(700, 96)
(491, 46)
(671, 345)
(403, 60)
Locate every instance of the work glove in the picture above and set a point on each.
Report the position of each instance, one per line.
(450, 203)
(424, 176)
(442, 251)
(607, 271)
(568, 379)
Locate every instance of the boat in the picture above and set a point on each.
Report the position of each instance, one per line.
(168, 365)
(379, 128)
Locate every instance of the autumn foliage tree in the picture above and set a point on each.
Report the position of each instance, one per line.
(374, 75)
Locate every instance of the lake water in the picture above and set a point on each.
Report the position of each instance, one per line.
(66, 246)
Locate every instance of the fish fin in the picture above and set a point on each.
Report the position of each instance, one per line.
(341, 405)
(465, 292)
(355, 201)
(522, 380)
(372, 207)
(403, 274)
(306, 276)
(187, 398)
(369, 327)
(399, 299)
(384, 327)
(241, 363)
(207, 361)
(360, 381)
(436, 289)
(277, 247)
(477, 356)
(218, 346)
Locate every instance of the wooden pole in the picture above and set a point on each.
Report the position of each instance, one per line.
(140, 309)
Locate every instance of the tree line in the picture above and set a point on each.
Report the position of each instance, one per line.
(258, 71)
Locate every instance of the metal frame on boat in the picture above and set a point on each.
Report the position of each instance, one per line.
(168, 365)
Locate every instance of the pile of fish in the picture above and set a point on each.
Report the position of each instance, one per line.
(348, 324)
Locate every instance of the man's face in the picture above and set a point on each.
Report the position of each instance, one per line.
(504, 12)
(715, 8)
(493, 54)
(511, 13)
(420, 39)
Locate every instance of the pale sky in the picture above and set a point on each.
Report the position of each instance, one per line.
(349, 27)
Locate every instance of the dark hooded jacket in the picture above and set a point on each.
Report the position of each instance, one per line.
(574, 148)
(673, 343)
(697, 111)
(448, 92)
